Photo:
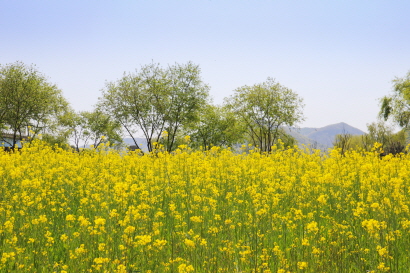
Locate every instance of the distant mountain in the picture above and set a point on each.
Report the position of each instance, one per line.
(300, 135)
(323, 137)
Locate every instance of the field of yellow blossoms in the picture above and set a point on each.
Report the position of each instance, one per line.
(196, 211)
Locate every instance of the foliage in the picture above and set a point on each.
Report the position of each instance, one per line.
(154, 100)
(187, 95)
(265, 108)
(384, 134)
(217, 126)
(59, 141)
(93, 128)
(397, 105)
(193, 211)
(378, 132)
(343, 142)
(29, 103)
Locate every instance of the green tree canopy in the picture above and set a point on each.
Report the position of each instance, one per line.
(92, 128)
(29, 104)
(154, 100)
(216, 126)
(379, 132)
(265, 108)
(397, 104)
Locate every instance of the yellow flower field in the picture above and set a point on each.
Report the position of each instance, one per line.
(195, 211)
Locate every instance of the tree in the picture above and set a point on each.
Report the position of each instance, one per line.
(397, 105)
(155, 100)
(265, 108)
(379, 132)
(382, 133)
(136, 101)
(185, 99)
(92, 128)
(217, 126)
(343, 142)
(29, 104)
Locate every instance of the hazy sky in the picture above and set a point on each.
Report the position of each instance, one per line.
(339, 56)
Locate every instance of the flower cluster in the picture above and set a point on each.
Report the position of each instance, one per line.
(196, 211)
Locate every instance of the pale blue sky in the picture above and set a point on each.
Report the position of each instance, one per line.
(339, 56)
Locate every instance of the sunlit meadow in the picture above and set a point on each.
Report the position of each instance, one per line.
(196, 211)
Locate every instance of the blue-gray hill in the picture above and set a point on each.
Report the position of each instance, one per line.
(323, 137)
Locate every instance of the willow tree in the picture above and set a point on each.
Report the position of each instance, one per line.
(28, 104)
(265, 109)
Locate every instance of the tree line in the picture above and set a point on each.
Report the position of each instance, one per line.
(165, 104)
(160, 104)
(395, 108)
